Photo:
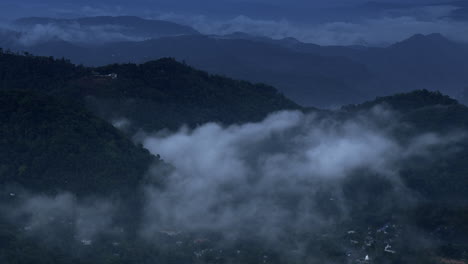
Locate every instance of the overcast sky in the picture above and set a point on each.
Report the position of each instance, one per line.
(287, 9)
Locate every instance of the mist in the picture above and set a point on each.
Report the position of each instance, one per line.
(73, 33)
(54, 219)
(285, 182)
(290, 173)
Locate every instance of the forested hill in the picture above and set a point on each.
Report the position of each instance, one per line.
(51, 142)
(155, 95)
(405, 102)
(166, 94)
(442, 181)
(28, 72)
(46, 145)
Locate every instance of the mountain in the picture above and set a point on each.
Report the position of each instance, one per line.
(306, 78)
(419, 62)
(407, 102)
(443, 225)
(154, 95)
(439, 179)
(310, 74)
(444, 181)
(48, 145)
(460, 14)
(42, 74)
(127, 25)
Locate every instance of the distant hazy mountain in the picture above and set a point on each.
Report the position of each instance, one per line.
(461, 12)
(306, 78)
(126, 25)
(420, 62)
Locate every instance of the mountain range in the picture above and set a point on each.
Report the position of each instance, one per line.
(312, 75)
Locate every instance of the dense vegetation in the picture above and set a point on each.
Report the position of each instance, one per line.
(441, 179)
(46, 145)
(155, 95)
(43, 74)
(425, 111)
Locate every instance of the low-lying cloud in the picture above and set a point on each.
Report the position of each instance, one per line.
(284, 174)
(290, 175)
(53, 216)
(72, 32)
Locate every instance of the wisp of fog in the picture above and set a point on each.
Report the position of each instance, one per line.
(278, 175)
(288, 174)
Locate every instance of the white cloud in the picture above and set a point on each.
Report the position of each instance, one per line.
(267, 175)
(74, 33)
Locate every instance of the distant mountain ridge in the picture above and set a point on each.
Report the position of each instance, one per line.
(407, 101)
(312, 75)
(309, 79)
(128, 25)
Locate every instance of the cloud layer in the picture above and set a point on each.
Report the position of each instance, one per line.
(291, 176)
(73, 33)
(50, 217)
(286, 174)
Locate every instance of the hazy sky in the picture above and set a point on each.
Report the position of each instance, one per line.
(290, 9)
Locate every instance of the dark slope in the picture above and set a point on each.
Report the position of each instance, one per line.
(443, 178)
(167, 94)
(155, 95)
(440, 180)
(47, 145)
(43, 74)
